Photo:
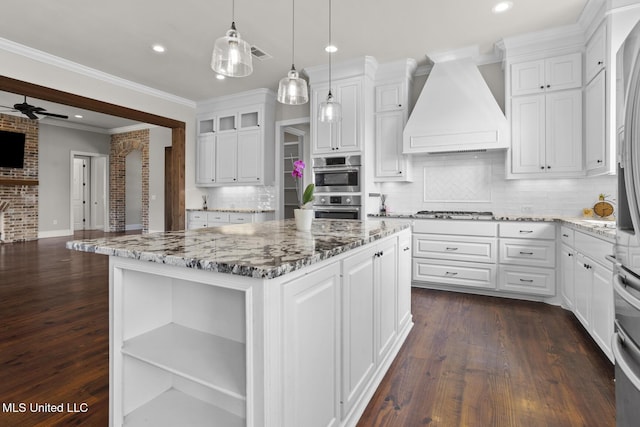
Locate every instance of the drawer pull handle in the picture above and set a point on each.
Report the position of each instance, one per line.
(526, 231)
(406, 249)
(452, 249)
(526, 253)
(565, 235)
(527, 280)
(450, 273)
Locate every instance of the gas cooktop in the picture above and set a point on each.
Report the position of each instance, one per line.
(455, 214)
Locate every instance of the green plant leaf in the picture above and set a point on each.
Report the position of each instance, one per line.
(307, 196)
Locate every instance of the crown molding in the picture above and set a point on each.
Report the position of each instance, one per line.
(74, 67)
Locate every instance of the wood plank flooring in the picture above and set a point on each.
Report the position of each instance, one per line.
(469, 360)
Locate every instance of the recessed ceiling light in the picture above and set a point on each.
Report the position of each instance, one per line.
(503, 6)
(331, 48)
(219, 77)
(158, 48)
(78, 116)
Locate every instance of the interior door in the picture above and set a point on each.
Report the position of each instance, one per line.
(80, 193)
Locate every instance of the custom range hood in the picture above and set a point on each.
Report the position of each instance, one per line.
(455, 112)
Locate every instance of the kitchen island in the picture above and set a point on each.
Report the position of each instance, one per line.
(254, 324)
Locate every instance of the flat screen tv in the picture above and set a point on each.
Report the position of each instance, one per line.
(11, 149)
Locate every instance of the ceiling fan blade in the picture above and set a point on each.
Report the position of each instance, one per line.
(60, 116)
(30, 115)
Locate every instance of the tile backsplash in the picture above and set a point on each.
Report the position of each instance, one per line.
(242, 197)
(467, 181)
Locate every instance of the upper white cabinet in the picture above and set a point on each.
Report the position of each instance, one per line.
(236, 144)
(351, 86)
(595, 53)
(546, 134)
(393, 83)
(343, 136)
(548, 74)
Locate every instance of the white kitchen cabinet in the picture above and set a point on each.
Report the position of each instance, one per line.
(404, 276)
(236, 144)
(206, 155)
(460, 253)
(545, 75)
(345, 135)
(527, 258)
(596, 145)
(370, 316)
(311, 348)
(595, 53)
(202, 219)
(590, 277)
(390, 97)
(567, 269)
(546, 135)
(391, 164)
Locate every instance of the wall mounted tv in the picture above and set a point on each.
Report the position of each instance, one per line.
(11, 149)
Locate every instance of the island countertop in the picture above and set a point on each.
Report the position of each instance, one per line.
(261, 250)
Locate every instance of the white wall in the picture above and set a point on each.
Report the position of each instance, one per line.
(54, 153)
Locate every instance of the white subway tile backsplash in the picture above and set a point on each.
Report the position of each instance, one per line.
(536, 196)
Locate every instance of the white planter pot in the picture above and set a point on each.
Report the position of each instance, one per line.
(304, 218)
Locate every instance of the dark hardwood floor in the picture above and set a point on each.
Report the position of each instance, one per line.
(469, 360)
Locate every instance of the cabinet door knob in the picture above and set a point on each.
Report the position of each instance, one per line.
(399, 105)
(542, 87)
(600, 62)
(541, 167)
(548, 86)
(399, 172)
(599, 161)
(569, 254)
(548, 167)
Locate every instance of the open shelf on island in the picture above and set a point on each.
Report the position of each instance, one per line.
(210, 360)
(175, 408)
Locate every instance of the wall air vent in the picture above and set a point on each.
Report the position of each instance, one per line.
(260, 54)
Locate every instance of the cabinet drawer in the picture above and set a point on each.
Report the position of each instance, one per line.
(458, 248)
(594, 248)
(193, 225)
(218, 217)
(528, 230)
(538, 253)
(197, 216)
(456, 227)
(471, 275)
(527, 280)
(240, 218)
(566, 235)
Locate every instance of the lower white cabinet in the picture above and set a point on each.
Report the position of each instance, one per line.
(567, 276)
(590, 278)
(311, 348)
(204, 219)
(193, 347)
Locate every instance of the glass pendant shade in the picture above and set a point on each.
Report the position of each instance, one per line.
(292, 89)
(330, 111)
(232, 55)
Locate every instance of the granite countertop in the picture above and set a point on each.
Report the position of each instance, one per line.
(602, 227)
(261, 250)
(238, 210)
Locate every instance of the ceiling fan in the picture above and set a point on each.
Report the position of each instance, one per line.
(32, 111)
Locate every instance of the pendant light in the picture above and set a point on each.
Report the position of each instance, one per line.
(330, 111)
(232, 55)
(292, 89)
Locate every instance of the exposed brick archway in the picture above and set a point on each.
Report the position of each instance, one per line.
(121, 145)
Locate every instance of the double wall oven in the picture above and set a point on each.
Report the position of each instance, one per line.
(338, 184)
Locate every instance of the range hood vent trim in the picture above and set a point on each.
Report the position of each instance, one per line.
(455, 112)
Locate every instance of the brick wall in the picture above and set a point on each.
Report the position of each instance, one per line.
(121, 145)
(21, 218)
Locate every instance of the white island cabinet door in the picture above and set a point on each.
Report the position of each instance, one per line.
(387, 272)
(358, 336)
(404, 280)
(311, 319)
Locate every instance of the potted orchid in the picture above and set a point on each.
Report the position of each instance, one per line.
(304, 215)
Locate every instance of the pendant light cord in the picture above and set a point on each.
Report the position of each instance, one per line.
(233, 13)
(329, 45)
(293, 31)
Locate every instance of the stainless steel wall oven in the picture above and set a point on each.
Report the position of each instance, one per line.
(337, 174)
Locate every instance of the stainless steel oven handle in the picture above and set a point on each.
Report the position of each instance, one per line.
(618, 341)
(335, 169)
(619, 287)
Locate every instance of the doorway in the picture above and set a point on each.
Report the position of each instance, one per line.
(89, 191)
(292, 143)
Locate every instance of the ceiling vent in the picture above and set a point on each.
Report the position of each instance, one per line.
(260, 54)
